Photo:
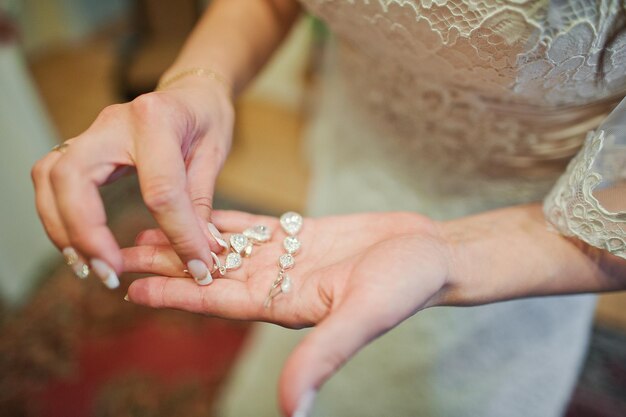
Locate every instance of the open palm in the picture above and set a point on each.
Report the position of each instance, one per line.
(355, 277)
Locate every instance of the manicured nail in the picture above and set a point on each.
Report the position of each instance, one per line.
(217, 235)
(199, 272)
(80, 269)
(126, 298)
(305, 405)
(106, 274)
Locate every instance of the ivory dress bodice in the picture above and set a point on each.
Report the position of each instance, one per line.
(489, 98)
(448, 107)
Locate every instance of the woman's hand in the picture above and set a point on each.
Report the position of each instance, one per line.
(177, 140)
(355, 278)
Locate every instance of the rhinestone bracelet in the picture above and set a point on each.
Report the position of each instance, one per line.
(291, 223)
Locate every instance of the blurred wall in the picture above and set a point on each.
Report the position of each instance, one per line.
(25, 131)
(25, 136)
(48, 23)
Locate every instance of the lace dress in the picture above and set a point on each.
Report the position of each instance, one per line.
(451, 107)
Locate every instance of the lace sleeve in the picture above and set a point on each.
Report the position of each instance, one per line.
(589, 200)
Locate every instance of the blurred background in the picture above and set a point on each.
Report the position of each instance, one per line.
(72, 348)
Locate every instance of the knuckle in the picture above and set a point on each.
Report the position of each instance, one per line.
(184, 243)
(161, 194)
(61, 170)
(142, 237)
(161, 298)
(151, 258)
(38, 171)
(203, 202)
(110, 112)
(149, 106)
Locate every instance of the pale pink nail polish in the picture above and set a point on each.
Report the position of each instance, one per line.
(200, 272)
(217, 235)
(106, 274)
(305, 405)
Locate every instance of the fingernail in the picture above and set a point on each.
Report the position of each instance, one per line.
(199, 272)
(217, 235)
(305, 405)
(80, 269)
(126, 298)
(106, 274)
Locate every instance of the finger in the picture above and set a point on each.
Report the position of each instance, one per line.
(45, 201)
(231, 221)
(227, 221)
(75, 179)
(205, 163)
(163, 183)
(162, 260)
(156, 237)
(159, 260)
(201, 176)
(49, 214)
(225, 298)
(151, 237)
(323, 351)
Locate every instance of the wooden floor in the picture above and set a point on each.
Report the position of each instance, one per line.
(265, 169)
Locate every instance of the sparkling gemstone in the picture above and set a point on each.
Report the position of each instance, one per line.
(238, 242)
(258, 233)
(285, 285)
(291, 222)
(233, 261)
(291, 244)
(286, 261)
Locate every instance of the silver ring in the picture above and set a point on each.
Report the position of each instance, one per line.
(61, 147)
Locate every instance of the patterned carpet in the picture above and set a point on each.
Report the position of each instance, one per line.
(77, 349)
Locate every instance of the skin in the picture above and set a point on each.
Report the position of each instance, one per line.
(177, 140)
(395, 264)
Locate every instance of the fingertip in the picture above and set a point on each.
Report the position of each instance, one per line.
(298, 384)
(143, 291)
(141, 238)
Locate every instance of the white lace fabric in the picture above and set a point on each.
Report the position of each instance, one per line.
(446, 108)
(589, 200)
(488, 99)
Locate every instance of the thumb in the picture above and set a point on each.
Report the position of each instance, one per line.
(324, 351)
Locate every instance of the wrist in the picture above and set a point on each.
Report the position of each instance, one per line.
(198, 76)
(506, 254)
(458, 239)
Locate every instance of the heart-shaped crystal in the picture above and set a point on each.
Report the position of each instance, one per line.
(286, 261)
(233, 261)
(291, 222)
(291, 244)
(285, 285)
(258, 234)
(238, 242)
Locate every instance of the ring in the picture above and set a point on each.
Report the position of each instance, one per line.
(61, 147)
